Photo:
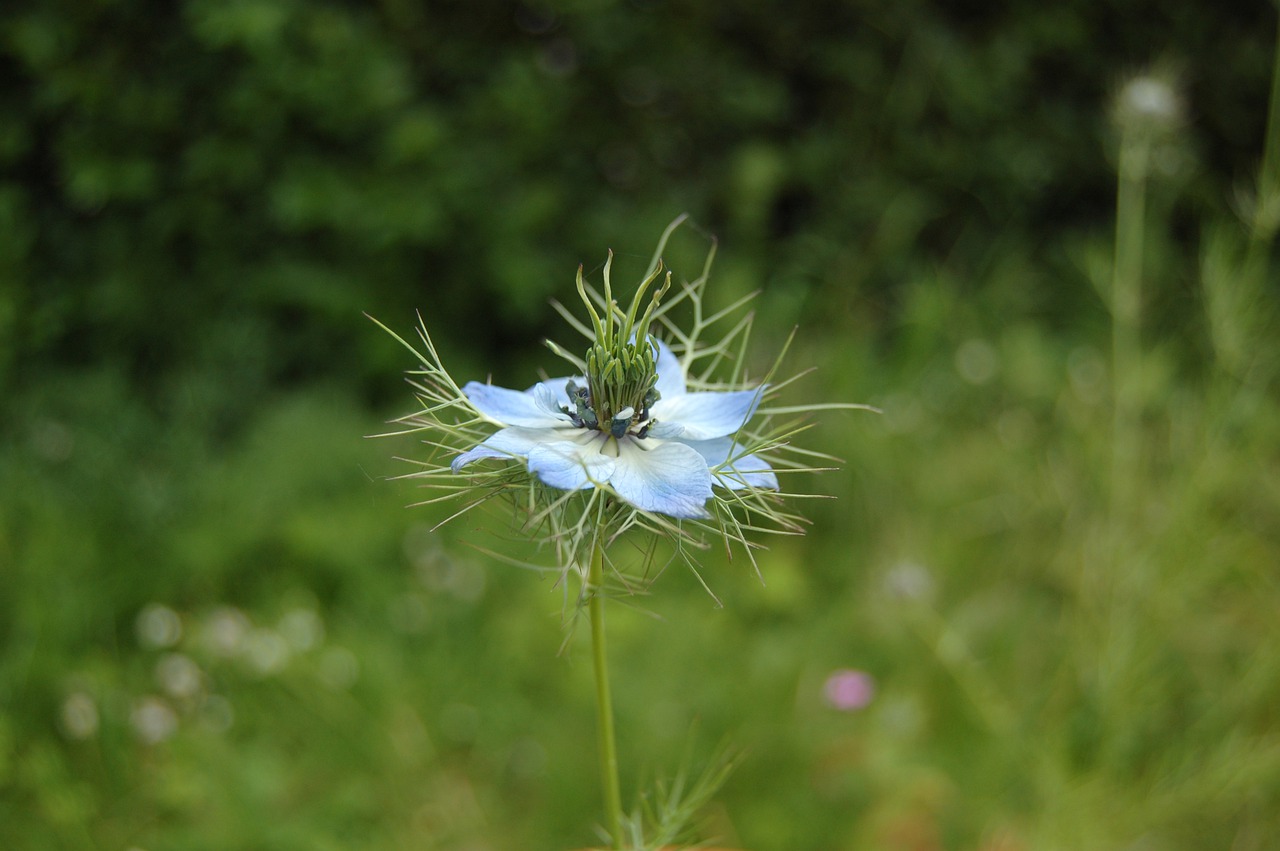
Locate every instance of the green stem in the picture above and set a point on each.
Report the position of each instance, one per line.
(604, 702)
(1266, 214)
(1126, 300)
(1270, 171)
(1113, 583)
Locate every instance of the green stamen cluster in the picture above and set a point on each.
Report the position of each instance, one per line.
(621, 371)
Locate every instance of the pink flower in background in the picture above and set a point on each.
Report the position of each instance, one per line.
(849, 690)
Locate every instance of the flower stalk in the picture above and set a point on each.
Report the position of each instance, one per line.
(1147, 112)
(1126, 309)
(604, 702)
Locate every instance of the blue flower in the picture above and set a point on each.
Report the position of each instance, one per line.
(664, 458)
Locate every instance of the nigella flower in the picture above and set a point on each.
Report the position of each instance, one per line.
(642, 434)
(662, 453)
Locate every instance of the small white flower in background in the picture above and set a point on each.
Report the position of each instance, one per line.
(302, 628)
(639, 435)
(224, 631)
(153, 720)
(266, 651)
(908, 580)
(158, 626)
(80, 715)
(178, 676)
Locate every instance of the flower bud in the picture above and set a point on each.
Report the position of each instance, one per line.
(1148, 104)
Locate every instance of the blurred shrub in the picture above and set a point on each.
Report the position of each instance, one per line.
(262, 172)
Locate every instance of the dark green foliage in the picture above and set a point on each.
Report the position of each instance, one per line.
(262, 172)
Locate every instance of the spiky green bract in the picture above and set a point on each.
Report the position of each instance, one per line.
(665, 818)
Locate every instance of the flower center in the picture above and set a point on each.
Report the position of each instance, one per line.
(621, 370)
(612, 414)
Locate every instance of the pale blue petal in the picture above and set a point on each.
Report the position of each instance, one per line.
(670, 478)
(510, 407)
(508, 443)
(548, 401)
(572, 464)
(704, 415)
(736, 470)
(556, 386)
(670, 375)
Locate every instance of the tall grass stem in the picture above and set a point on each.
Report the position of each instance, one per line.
(1126, 319)
(1269, 176)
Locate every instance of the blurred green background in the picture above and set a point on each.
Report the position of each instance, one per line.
(1055, 553)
